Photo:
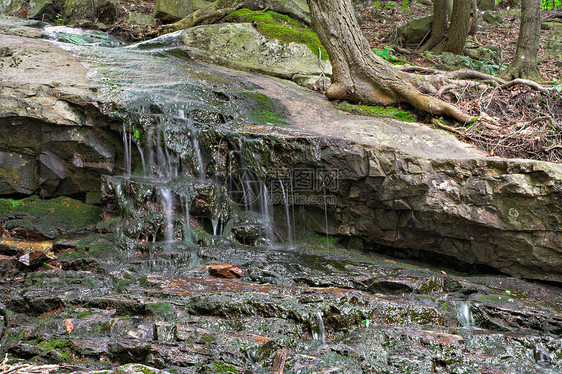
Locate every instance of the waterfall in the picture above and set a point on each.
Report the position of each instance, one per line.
(318, 330)
(464, 315)
(287, 214)
(167, 208)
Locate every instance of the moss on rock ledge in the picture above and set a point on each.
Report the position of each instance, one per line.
(280, 27)
(376, 111)
(49, 217)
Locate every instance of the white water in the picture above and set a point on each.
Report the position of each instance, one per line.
(464, 315)
(318, 330)
(287, 214)
(167, 208)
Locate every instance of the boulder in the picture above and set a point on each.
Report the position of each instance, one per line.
(414, 32)
(10, 6)
(241, 46)
(173, 10)
(492, 18)
(71, 11)
(484, 5)
(48, 141)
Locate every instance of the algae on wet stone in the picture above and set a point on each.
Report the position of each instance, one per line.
(49, 217)
(281, 27)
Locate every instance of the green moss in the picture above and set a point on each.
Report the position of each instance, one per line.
(160, 309)
(280, 27)
(217, 367)
(84, 314)
(262, 108)
(51, 216)
(376, 111)
(121, 285)
(64, 347)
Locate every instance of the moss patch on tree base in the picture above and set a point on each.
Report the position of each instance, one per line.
(280, 27)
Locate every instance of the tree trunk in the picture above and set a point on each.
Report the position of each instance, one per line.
(458, 32)
(358, 75)
(221, 8)
(439, 25)
(524, 64)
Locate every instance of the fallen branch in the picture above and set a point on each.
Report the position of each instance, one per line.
(553, 147)
(440, 124)
(544, 118)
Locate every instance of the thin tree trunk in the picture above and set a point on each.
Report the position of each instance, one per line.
(458, 32)
(524, 64)
(358, 74)
(439, 25)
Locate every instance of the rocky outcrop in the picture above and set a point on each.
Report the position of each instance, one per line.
(174, 10)
(53, 140)
(404, 186)
(10, 6)
(413, 188)
(72, 11)
(241, 46)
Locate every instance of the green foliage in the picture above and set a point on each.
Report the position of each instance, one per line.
(59, 21)
(387, 55)
(551, 4)
(376, 111)
(280, 27)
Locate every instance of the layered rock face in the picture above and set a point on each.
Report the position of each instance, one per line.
(401, 185)
(53, 141)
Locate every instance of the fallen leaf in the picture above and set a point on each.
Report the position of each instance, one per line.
(69, 326)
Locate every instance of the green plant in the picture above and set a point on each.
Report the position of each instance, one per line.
(59, 21)
(550, 4)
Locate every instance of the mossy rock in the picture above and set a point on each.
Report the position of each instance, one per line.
(262, 109)
(281, 27)
(376, 111)
(49, 217)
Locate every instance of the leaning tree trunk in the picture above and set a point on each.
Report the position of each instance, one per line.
(524, 64)
(358, 75)
(221, 8)
(439, 25)
(458, 32)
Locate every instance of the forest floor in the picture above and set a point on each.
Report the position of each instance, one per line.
(519, 121)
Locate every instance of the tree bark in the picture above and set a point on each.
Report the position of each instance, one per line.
(458, 32)
(524, 64)
(358, 75)
(439, 25)
(221, 8)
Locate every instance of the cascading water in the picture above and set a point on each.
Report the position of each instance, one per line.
(464, 315)
(318, 330)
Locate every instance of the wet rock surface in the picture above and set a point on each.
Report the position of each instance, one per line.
(207, 156)
(332, 309)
